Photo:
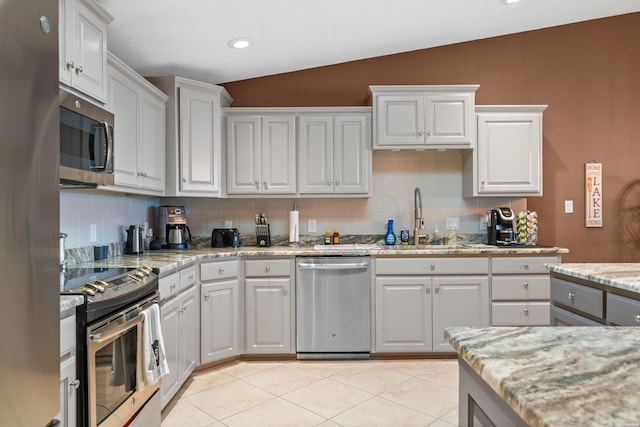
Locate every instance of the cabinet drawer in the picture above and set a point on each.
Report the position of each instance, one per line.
(67, 336)
(169, 285)
(430, 266)
(188, 277)
(267, 267)
(580, 297)
(218, 270)
(525, 287)
(517, 265)
(520, 313)
(623, 311)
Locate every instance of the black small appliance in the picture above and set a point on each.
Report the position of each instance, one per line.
(500, 226)
(223, 237)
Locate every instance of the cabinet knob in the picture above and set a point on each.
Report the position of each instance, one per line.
(428, 289)
(572, 296)
(172, 286)
(191, 277)
(428, 133)
(338, 183)
(206, 297)
(184, 180)
(285, 291)
(265, 185)
(79, 69)
(257, 184)
(420, 133)
(71, 65)
(432, 267)
(329, 183)
(637, 318)
(526, 311)
(221, 270)
(437, 289)
(75, 384)
(525, 266)
(267, 268)
(525, 285)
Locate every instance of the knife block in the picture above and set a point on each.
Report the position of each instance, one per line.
(263, 235)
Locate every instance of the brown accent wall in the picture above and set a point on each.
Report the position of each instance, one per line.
(589, 75)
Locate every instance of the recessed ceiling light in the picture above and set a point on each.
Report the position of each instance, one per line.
(510, 1)
(239, 43)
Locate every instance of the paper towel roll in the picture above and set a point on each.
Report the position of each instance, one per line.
(294, 227)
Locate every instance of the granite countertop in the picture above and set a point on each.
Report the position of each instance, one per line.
(558, 376)
(616, 275)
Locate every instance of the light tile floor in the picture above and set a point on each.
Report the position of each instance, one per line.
(320, 393)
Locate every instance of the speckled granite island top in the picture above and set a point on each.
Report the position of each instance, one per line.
(558, 376)
(616, 275)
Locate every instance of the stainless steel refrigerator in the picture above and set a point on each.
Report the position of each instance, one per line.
(29, 219)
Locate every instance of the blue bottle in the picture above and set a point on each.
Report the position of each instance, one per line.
(390, 238)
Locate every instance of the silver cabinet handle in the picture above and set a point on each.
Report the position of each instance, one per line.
(285, 291)
(437, 289)
(428, 133)
(338, 183)
(206, 297)
(637, 318)
(525, 266)
(75, 384)
(71, 64)
(172, 286)
(432, 267)
(420, 133)
(257, 184)
(572, 296)
(79, 69)
(525, 285)
(428, 289)
(329, 183)
(265, 185)
(221, 270)
(267, 268)
(526, 311)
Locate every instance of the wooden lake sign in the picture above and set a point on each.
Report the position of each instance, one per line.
(593, 187)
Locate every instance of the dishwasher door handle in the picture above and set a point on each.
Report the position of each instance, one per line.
(344, 266)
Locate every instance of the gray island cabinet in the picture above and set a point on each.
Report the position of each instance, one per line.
(544, 376)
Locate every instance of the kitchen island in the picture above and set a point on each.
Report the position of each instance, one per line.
(545, 376)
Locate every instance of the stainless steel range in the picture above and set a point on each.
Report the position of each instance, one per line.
(109, 344)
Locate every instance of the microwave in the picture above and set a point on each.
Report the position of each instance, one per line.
(86, 142)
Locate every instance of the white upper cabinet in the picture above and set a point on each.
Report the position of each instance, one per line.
(139, 138)
(508, 159)
(437, 117)
(194, 136)
(261, 154)
(82, 60)
(335, 153)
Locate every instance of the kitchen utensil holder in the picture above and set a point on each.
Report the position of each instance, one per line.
(263, 235)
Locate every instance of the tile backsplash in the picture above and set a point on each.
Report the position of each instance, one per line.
(395, 176)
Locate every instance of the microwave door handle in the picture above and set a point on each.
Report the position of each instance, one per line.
(109, 137)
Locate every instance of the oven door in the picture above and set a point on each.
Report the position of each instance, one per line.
(116, 388)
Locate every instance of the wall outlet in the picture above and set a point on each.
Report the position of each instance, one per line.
(453, 223)
(311, 226)
(93, 233)
(228, 223)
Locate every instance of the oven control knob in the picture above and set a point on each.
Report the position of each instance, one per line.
(140, 274)
(87, 290)
(100, 285)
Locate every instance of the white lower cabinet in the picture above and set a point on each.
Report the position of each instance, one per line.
(413, 309)
(69, 382)
(180, 318)
(520, 291)
(269, 308)
(220, 310)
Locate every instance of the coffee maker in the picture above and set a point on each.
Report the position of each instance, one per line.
(500, 223)
(172, 227)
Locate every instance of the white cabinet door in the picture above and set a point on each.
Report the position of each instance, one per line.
(219, 320)
(458, 301)
(268, 315)
(450, 120)
(170, 315)
(244, 175)
(278, 152)
(199, 147)
(403, 314)
(152, 142)
(315, 142)
(68, 393)
(352, 154)
(66, 65)
(400, 120)
(124, 101)
(517, 136)
(90, 52)
(190, 331)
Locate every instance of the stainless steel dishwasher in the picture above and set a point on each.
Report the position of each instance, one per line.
(333, 307)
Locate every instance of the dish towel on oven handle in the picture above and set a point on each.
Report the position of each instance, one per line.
(153, 355)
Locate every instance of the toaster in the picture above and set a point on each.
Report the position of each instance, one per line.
(223, 237)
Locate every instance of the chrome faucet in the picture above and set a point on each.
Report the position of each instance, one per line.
(417, 216)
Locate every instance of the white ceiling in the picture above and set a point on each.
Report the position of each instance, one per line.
(189, 37)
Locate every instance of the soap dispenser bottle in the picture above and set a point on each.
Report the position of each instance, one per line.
(390, 238)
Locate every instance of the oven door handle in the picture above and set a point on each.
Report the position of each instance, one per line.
(114, 331)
